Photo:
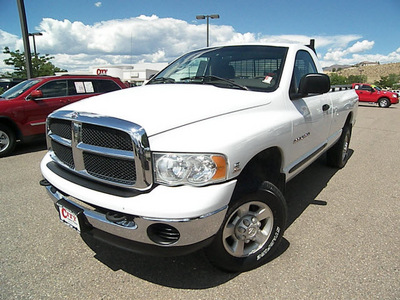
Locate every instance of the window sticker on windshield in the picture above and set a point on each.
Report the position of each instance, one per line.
(80, 88)
(267, 79)
(89, 87)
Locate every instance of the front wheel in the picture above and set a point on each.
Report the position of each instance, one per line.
(251, 231)
(7, 140)
(338, 155)
(384, 102)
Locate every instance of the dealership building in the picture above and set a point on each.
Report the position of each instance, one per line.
(135, 74)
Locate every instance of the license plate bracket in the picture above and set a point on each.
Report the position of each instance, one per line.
(71, 215)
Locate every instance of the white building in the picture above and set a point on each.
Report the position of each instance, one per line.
(134, 74)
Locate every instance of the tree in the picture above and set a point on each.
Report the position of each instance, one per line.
(41, 65)
(356, 79)
(388, 81)
(337, 79)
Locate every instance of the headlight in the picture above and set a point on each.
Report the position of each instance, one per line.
(194, 169)
(395, 95)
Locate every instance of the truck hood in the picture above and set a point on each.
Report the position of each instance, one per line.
(162, 107)
(387, 93)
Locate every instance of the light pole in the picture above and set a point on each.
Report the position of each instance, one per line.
(25, 38)
(202, 17)
(34, 44)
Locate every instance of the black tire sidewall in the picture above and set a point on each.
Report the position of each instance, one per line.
(334, 154)
(387, 102)
(218, 255)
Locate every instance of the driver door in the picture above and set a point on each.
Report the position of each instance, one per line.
(36, 110)
(311, 117)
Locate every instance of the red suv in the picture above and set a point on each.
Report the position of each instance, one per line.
(24, 107)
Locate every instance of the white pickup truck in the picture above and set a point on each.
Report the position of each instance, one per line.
(200, 155)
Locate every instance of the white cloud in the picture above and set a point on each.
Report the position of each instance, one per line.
(340, 54)
(76, 45)
(7, 39)
(11, 41)
(351, 55)
(97, 4)
(361, 46)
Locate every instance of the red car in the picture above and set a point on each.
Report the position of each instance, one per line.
(24, 107)
(371, 93)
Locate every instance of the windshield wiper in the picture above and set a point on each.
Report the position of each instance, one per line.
(162, 80)
(210, 78)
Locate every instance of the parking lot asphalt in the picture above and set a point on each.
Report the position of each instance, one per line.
(342, 242)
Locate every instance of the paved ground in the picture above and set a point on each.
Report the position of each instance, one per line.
(343, 240)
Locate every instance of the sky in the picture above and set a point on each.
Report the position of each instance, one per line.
(80, 34)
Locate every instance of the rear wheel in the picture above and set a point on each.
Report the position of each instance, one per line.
(338, 155)
(251, 231)
(384, 102)
(7, 140)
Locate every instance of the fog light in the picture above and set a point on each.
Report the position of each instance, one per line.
(163, 234)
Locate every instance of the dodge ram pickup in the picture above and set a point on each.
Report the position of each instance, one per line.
(199, 156)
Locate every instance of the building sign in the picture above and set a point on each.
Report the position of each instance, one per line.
(101, 71)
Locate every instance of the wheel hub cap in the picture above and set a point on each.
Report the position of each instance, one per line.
(4, 141)
(247, 228)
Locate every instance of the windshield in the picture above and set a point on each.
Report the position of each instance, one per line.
(20, 88)
(376, 87)
(256, 68)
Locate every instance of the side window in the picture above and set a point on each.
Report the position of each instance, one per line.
(77, 87)
(303, 65)
(56, 88)
(365, 88)
(105, 86)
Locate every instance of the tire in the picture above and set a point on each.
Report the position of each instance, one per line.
(7, 140)
(251, 232)
(384, 102)
(338, 155)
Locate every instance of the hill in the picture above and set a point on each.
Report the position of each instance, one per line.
(373, 72)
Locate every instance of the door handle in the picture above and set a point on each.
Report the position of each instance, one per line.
(325, 107)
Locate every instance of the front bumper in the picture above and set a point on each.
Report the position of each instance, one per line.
(192, 231)
(193, 214)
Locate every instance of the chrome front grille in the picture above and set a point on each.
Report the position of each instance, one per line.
(106, 137)
(109, 168)
(62, 128)
(101, 148)
(63, 153)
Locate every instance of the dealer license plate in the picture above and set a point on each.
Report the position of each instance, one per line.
(68, 216)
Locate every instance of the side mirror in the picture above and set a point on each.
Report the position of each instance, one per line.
(36, 94)
(314, 83)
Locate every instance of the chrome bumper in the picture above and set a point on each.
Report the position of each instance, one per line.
(191, 230)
